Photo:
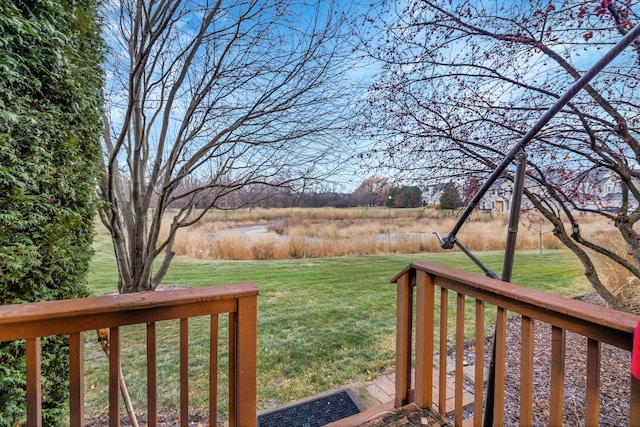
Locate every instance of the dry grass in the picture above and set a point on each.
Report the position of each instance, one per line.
(621, 283)
(193, 242)
(264, 234)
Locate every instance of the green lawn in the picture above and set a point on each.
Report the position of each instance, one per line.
(322, 323)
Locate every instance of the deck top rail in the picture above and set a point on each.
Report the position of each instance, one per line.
(39, 319)
(598, 324)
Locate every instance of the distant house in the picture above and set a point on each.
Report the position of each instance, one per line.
(601, 190)
(597, 190)
(431, 194)
(498, 198)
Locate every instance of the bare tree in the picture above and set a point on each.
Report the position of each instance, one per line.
(462, 81)
(205, 98)
(372, 191)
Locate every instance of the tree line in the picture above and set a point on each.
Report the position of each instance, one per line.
(264, 196)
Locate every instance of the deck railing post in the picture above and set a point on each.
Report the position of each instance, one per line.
(404, 316)
(460, 304)
(527, 347)
(442, 351)
(425, 308)
(246, 359)
(592, 398)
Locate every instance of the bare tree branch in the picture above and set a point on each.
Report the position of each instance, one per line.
(463, 81)
(206, 98)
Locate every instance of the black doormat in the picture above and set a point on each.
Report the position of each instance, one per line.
(312, 413)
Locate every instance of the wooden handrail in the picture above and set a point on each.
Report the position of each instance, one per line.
(34, 320)
(598, 324)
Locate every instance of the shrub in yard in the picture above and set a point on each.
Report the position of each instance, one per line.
(450, 198)
(404, 197)
(50, 122)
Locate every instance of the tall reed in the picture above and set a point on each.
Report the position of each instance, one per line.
(330, 232)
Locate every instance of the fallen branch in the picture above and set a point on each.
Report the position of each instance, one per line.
(103, 338)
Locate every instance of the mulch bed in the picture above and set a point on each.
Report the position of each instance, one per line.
(614, 377)
(408, 416)
(169, 419)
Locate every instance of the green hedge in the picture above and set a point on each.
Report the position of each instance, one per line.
(50, 124)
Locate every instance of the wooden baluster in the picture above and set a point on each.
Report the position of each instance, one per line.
(34, 382)
(526, 371)
(152, 376)
(233, 377)
(114, 377)
(184, 372)
(213, 369)
(76, 379)
(403, 340)
(425, 306)
(479, 373)
(460, 304)
(556, 396)
(592, 406)
(442, 379)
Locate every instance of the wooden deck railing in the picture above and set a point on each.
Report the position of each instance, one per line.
(597, 324)
(73, 317)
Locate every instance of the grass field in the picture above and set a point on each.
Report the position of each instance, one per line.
(322, 323)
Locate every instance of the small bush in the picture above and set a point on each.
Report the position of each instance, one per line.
(231, 245)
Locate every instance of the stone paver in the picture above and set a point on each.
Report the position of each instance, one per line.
(380, 399)
(383, 390)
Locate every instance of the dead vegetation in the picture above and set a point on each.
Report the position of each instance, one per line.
(262, 234)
